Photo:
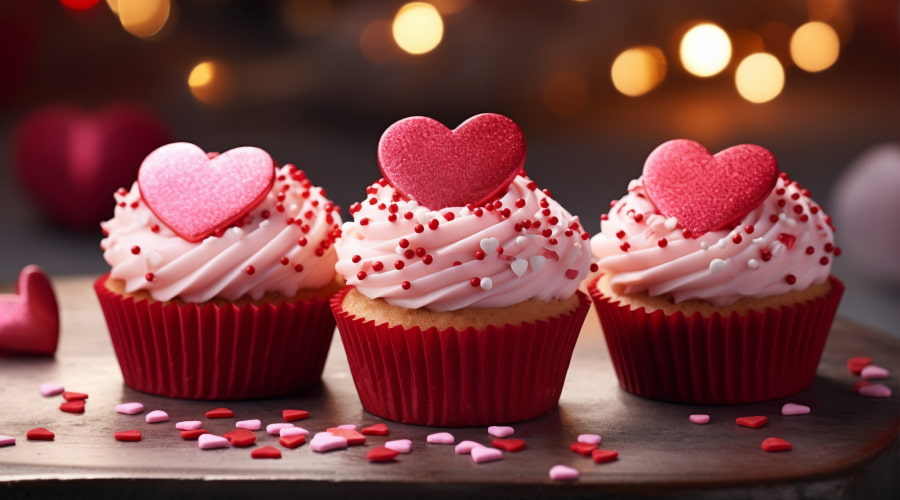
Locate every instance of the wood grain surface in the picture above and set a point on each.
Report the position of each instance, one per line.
(847, 447)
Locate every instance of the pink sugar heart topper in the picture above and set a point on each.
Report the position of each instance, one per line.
(707, 192)
(439, 167)
(196, 195)
(29, 320)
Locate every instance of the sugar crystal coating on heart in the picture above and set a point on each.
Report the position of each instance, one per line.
(440, 168)
(196, 195)
(707, 192)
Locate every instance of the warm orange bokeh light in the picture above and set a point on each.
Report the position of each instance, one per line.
(638, 70)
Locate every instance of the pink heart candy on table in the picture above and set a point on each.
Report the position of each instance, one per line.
(439, 167)
(196, 195)
(29, 319)
(707, 192)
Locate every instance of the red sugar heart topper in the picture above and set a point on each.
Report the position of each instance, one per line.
(707, 192)
(195, 195)
(29, 320)
(439, 167)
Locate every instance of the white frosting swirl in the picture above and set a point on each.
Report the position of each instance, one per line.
(522, 246)
(281, 246)
(785, 244)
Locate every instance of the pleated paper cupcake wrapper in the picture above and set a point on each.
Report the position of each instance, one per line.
(456, 378)
(210, 352)
(737, 358)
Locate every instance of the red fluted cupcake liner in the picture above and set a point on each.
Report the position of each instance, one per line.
(454, 378)
(217, 352)
(717, 359)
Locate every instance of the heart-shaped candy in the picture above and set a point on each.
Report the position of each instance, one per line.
(195, 195)
(29, 320)
(707, 192)
(439, 167)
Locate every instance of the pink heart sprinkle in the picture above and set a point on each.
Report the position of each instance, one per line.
(51, 389)
(189, 425)
(156, 416)
(794, 409)
(466, 447)
(871, 372)
(501, 431)
(563, 473)
(326, 441)
(196, 195)
(7, 440)
(440, 438)
(590, 438)
(400, 445)
(275, 429)
(699, 419)
(129, 408)
(439, 167)
(292, 431)
(481, 454)
(211, 441)
(250, 425)
(875, 391)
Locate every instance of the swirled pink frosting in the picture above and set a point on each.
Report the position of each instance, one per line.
(281, 246)
(785, 244)
(521, 246)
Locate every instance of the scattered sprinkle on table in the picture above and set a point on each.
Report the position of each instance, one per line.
(874, 372)
(603, 456)
(875, 391)
(192, 434)
(590, 438)
(240, 438)
(129, 408)
(292, 415)
(7, 440)
(212, 441)
(293, 431)
(465, 447)
(382, 454)
(156, 416)
(50, 389)
(292, 441)
(501, 431)
(40, 434)
(776, 444)
(482, 454)
(511, 445)
(563, 473)
(188, 425)
(440, 438)
(219, 413)
(375, 430)
(583, 448)
(326, 441)
(794, 409)
(349, 427)
(400, 445)
(352, 436)
(699, 418)
(132, 435)
(72, 396)
(753, 422)
(74, 406)
(251, 425)
(266, 452)
(856, 364)
(275, 429)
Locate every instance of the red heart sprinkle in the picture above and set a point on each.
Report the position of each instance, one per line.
(193, 433)
(353, 437)
(375, 430)
(76, 406)
(196, 195)
(439, 167)
(382, 454)
(39, 434)
(707, 192)
(29, 319)
(509, 444)
(752, 422)
(240, 438)
(133, 435)
(603, 456)
(776, 444)
(73, 396)
(856, 365)
(583, 448)
(291, 415)
(266, 452)
(220, 413)
(292, 441)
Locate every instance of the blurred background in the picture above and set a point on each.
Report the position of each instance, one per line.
(89, 87)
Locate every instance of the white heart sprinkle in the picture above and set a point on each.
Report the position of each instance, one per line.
(489, 245)
(519, 266)
(671, 223)
(536, 262)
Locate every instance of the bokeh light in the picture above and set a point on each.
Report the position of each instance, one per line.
(376, 43)
(143, 18)
(418, 28)
(705, 50)
(208, 82)
(815, 46)
(448, 7)
(566, 94)
(307, 17)
(759, 77)
(638, 70)
(79, 4)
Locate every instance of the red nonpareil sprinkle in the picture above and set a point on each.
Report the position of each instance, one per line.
(135, 250)
(355, 259)
(404, 243)
(408, 215)
(292, 415)
(604, 217)
(375, 430)
(520, 203)
(829, 248)
(373, 201)
(554, 220)
(220, 413)
(753, 422)
(663, 243)
(749, 229)
(399, 265)
(433, 224)
(824, 261)
(302, 241)
(361, 275)
(419, 228)
(765, 255)
(266, 452)
(773, 218)
(427, 259)
(478, 211)
(457, 263)
(154, 228)
(449, 216)
(790, 279)
(594, 267)
(475, 282)
(782, 203)
(547, 233)
(405, 285)
(571, 273)
(355, 207)
(75, 406)
(737, 239)
(292, 441)
(392, 218)
(364, 221)
(638, 217)
(531, 186)
(856, 364)
(625, 246)
(132, 435)
(40, 434)
(553, 241)
(377, 266)
(409, 253)
(620, 234)
(479, 254)
(603, 456)
(585, 236)
(798, 209)
(568, 233)
(776, 444)
(420, 252)
(583, 448)
(810, 250)
(250, 270)
(382, 454)
(149, 276)
(284, 261)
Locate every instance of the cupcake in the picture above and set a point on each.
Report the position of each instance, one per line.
(714, 281)
(462, 306)
(222, 267)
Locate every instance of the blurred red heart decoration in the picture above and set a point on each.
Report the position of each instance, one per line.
(439, 167)
(707, 192)
(29, 319)
(71, 161)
